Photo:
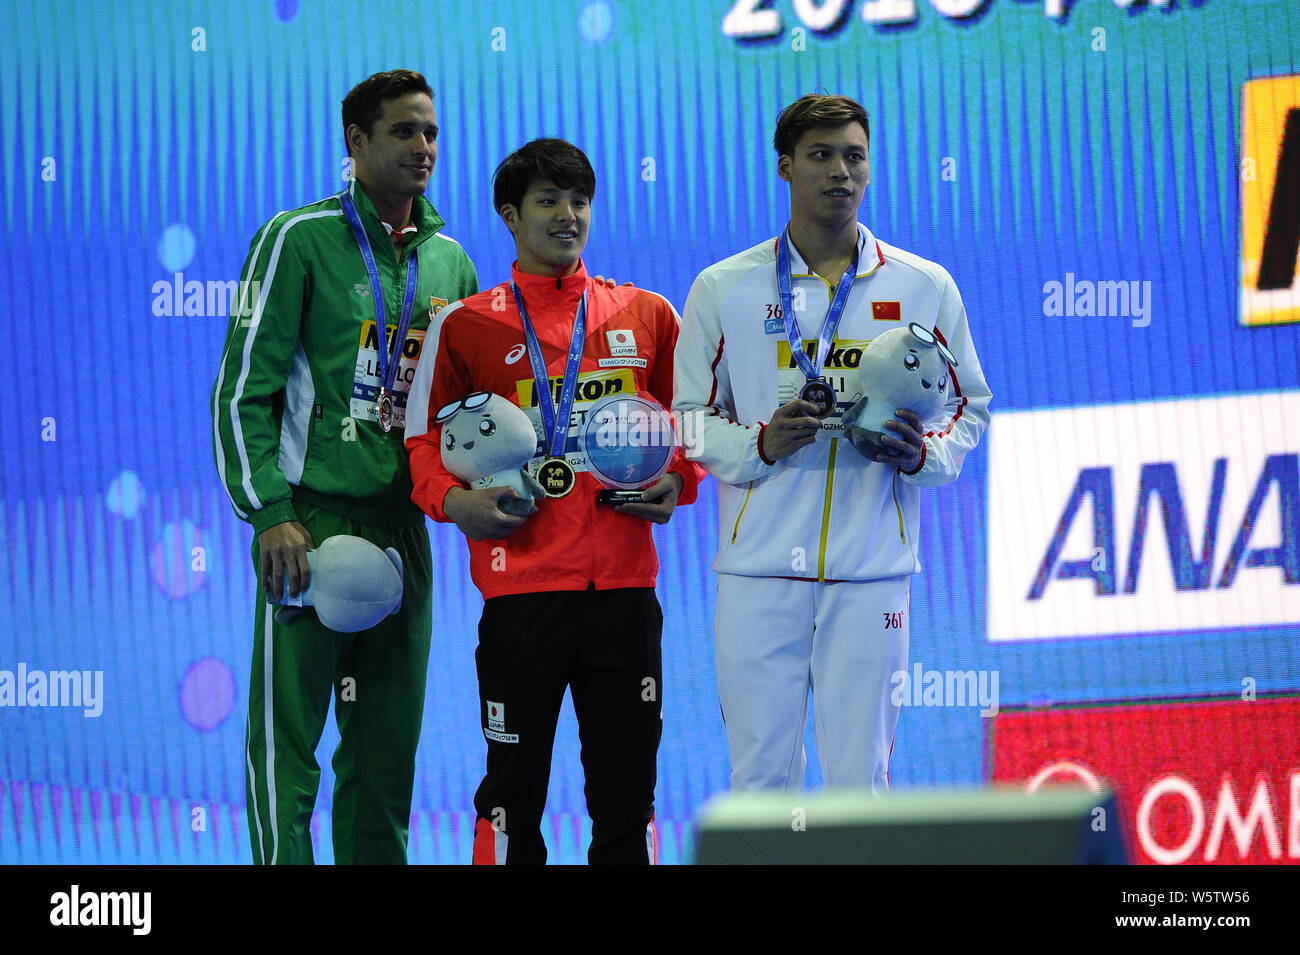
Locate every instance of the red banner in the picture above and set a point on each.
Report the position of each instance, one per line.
(1210, 782)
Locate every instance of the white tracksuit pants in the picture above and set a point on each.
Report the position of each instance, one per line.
(777, 638)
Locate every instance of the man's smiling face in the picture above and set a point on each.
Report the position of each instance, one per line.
(550, 227)
(828, 173)
(398, 155)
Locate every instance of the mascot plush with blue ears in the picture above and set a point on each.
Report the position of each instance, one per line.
(903, 368)
(354, 585)
(486, 441)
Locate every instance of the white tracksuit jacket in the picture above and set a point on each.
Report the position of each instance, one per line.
(825, 512)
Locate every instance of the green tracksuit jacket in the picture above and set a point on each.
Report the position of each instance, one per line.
(297, 438)
(293, 408)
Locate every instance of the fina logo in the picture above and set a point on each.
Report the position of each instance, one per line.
(1150, 517)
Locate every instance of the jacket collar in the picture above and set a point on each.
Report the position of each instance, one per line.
(870, 256)
(549, 289)
(424, 217)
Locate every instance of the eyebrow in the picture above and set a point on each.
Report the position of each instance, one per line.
(831, 146)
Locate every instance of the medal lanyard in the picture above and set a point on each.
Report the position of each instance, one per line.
(811, 371)
(387, 369)
(554, 433)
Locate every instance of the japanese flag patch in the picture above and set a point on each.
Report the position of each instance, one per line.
(622, 343)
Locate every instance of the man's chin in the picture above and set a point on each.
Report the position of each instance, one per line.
(564, 264)
(835, 216)
(408, 185)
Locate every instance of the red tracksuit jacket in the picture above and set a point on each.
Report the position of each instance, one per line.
(477, 344)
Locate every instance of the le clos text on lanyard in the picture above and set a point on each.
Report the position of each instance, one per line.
(556, 475)
(387, 367)
(819, 392)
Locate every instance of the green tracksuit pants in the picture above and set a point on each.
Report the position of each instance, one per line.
(377, 678)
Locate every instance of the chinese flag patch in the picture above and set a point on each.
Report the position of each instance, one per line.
(887, 311)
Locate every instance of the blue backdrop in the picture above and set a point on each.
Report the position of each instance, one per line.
(144, 143)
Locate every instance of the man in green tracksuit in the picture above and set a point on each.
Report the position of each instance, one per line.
(308, 417)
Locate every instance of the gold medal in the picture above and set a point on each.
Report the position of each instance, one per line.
(556, 477)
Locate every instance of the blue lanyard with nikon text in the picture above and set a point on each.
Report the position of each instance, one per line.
(387, 370)
(811, 371)
(553, 433)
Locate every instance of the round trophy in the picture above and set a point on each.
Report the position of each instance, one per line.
(628, 441)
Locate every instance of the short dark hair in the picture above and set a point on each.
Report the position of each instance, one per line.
(555, 159)
(366, 100)
(811, 111)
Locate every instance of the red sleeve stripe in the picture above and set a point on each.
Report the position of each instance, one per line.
(766, 460)
(921, 463)
(713, 370)
(956, 387)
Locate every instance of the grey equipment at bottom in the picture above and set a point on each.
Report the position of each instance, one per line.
(991, 826)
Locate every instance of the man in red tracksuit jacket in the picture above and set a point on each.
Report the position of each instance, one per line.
(568, 591)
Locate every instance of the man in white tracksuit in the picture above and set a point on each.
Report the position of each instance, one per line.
(817, 542)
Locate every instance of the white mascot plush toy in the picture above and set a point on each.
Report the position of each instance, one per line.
(903, 368)
(486, 441)
(354, 585)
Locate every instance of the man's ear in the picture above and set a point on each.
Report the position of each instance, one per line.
(783, 168)
(510, 216)
(356, 138)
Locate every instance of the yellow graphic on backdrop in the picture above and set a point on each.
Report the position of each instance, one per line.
(1270, 201)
